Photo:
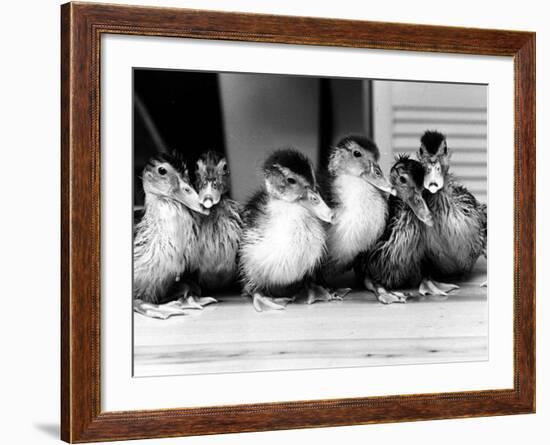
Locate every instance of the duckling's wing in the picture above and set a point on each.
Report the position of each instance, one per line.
(254, 208)
(235, 211)
(477, 211)
(483, 233)
(469, 204)
(462, 196)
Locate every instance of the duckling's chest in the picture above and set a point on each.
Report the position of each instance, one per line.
(291, 244)
(360, 218)
(219, 235)
(176, 235)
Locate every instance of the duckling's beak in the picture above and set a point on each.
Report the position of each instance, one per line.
(318, 207)
(388, 189)
(421, 210)
(433, 180)
(428, 220)
(380, 182)
(190, 200)
(209, 196)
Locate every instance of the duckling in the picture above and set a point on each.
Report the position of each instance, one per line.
(358, 195)
(459, 235)
(220, 231)
(396, 260)
(283, 241)
(165, 240)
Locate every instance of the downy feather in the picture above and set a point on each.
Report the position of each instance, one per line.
(360, 218)
(282, 244)
(163, 247)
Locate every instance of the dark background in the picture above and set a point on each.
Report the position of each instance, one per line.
(244, 116)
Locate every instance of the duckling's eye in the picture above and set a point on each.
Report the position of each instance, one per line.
(162, 171)
(187, 190)
(314, 199)
(377, 172)
(402, 180)
(291, 180)
(357, 153)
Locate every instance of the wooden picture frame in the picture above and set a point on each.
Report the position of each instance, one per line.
(82, 26)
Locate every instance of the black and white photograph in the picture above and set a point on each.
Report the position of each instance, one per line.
(286, 222)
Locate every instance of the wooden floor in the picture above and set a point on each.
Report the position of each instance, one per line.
(232, 337)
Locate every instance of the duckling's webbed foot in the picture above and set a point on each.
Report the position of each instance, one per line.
(192, 302)
(431, 287)
(382, 295)
(316, 292)
(190, 297)
(261, 302)
(161, 311)
(340, 293)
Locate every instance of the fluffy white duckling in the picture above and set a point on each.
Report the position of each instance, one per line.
(284, 240)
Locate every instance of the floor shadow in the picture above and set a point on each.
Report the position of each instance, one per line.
(49, 429)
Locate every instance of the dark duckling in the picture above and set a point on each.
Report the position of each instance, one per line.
(283, 241)
(357, 191)
(396, 261)
(165, 240)
(220, 231)
(459, 234)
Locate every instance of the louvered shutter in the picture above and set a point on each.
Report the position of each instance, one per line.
(402, 111)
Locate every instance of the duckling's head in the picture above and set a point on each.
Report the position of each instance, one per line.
(358, 156)
(407, 176)
(434, 156)
(289, 176)
(166, 177)
(212, 178)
